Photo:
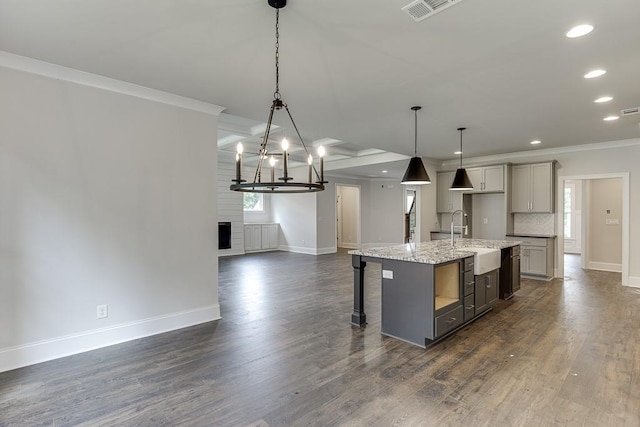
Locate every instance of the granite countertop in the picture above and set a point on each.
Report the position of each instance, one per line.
(434, 252)
(543, 236)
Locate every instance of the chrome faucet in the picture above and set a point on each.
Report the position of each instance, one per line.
(463, 219)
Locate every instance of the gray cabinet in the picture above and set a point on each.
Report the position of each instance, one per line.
(536, 255)
(532, 188)
(486, 291)
(487, 179)
(447, 200)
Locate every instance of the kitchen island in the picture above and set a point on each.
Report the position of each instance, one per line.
(430, 289)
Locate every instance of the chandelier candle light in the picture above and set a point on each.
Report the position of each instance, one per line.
(284, 184)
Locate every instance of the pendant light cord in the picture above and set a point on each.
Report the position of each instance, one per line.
(415, 139)
(461, 130)
(276, 94)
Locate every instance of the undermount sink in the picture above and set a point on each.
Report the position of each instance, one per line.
(484, 259)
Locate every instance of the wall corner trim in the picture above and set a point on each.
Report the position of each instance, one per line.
(58, 72)
(634, 282)
(42, 351)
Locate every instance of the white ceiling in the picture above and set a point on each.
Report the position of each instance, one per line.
(351, 70)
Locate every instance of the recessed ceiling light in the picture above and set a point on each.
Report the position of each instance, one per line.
(457, 153)
(603, 99)
(385, 171)
(535, 142)
(594, 73)
(611, 118)
(579, 31)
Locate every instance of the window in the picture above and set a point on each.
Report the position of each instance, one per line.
(253, 202)
(568, 226)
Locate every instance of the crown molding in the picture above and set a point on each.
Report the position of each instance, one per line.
(58, 72)
(500, 158)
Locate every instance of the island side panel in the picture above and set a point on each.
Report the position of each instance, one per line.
(358, 317)
(407, 301)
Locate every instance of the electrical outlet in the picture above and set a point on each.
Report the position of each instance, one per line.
(387, 274)
(102, 311)
(485, 220)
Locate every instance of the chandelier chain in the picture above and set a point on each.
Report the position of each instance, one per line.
(276, 94)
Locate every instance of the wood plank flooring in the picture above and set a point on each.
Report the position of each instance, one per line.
(565, 352)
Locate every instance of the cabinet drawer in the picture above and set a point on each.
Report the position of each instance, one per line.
(467, 264)
(469, 282)
(469, 307)
(448, 321)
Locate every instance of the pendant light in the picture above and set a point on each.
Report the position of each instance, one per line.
(461, 181)
(416, 174)
(285, 184)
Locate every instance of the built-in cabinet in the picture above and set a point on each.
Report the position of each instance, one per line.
(422, 303)
(447, 200)
(260, 237)
(532, 188)
(487, 179)
(486, 290)
(536, 255)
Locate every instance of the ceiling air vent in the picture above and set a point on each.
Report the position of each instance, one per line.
(630, 111)
(421, 9)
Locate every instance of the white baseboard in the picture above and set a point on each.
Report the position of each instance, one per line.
(634, 282)
(347, 245)
(604, 266)
(324, 251)
(299, 249)
(230, 252)
(42, 351)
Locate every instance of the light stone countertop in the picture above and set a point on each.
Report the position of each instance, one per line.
(434, 252)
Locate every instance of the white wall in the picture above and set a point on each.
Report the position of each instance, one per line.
(106, 199)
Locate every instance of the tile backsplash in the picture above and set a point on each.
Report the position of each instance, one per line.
(534, 223)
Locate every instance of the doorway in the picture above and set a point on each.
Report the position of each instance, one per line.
(348, 216)
(595, 222)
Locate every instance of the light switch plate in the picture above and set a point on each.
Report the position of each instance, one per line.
(387, 274)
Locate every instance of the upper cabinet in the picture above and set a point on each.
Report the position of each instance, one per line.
(447, 200)
(487, 179)
(532, 188)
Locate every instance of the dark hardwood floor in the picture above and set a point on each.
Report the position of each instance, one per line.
(565, 352)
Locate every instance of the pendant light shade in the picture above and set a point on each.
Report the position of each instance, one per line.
(416, 174)
(461, 180)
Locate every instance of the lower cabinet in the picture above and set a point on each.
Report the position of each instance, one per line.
(422, 303)
(486, 291)
(536, 255)
(260, 237)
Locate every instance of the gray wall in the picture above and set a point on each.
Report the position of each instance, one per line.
(106, 199)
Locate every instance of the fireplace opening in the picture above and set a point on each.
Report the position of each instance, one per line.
(224, 235)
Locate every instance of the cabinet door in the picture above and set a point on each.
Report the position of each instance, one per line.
(493, 178)
(481, 294)
(476, 177)
(541, 188)
(456, 200)
(491, 287)
(443, 203)
(537, 260)
(252, 238)
(520, 188)
(270, 236)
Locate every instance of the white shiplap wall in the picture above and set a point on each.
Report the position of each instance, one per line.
(230, 208)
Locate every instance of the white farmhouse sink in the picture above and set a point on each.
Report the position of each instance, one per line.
(484, 259)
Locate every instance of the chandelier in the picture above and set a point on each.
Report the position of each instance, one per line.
(285, 183)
